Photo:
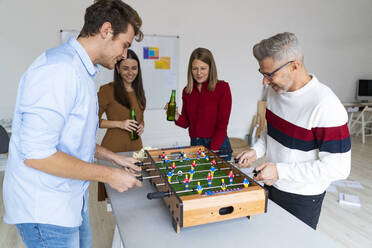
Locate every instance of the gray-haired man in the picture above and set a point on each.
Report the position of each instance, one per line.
(307, 143)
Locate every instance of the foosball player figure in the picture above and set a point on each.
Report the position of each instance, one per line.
(187, 181)
(193, 163)
(209, 178)
(173, 167)
(170, 174)
(163, 156)
(231, 176)
(223, 185)
(213, 162)
(192, 171)
(199, 188)
(245, 182)
(199, 153)
(186, 158)
(206, 157)
(213, 169)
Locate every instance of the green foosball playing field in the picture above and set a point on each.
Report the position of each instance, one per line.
(220, 180)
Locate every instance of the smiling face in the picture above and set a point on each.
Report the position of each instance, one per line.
(200, 71)
(115, 48)
(128, 70)
(281, 81)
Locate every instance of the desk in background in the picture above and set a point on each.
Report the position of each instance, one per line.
(359, 113)
(148, 223)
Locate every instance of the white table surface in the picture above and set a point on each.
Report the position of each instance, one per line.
(148, 223)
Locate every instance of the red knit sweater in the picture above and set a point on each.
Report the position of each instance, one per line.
(207, 113)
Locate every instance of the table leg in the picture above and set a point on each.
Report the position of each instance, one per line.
(116, 241)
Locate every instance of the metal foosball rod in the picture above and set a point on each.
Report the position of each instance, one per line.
(174, 160)
(180, 166)
(141, 178)
(157, 195)
(217, 169)
(195, 180)
(195, 153)
(188, 165)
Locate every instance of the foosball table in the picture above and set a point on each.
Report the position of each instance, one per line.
(199, 187)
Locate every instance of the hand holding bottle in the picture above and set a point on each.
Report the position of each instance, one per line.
(140, 129)
(176, 114)
(128, 125)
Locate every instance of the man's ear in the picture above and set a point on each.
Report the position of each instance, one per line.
(106, 30)
(295, 65)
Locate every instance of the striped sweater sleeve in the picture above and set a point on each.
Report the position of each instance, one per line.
(330, 136)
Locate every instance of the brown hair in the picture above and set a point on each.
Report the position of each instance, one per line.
(116, 12)
(206, 56)
(120, 93)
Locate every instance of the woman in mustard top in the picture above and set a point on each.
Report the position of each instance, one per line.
(116, 99)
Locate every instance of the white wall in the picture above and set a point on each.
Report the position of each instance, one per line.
(336, 37)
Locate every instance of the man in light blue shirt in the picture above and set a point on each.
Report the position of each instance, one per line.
(52, 147)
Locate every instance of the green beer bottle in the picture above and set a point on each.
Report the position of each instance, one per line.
(172, 107)
(133, 134)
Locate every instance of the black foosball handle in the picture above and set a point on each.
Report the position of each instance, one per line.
(255, 172)
(139, 163)
(236, 160)
(157, 195)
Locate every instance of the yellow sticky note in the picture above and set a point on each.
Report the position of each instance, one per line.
(163, 63)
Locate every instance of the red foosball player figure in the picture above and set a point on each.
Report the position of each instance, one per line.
(213, 162)
(223, 185)
(173, 167)
(163, 156)
(199, 153)
(213, 169)
(193, 163)
(199, 188)
(245, 182)
(187, 181)
(231, 176)
(209, 178)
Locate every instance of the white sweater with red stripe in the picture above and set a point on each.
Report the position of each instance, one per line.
(307, 137)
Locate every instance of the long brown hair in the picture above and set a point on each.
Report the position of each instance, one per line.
(120, 93)
(206, 56)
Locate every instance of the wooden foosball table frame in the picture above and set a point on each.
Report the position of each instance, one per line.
(197, 209)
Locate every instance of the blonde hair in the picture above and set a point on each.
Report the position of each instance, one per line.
(206, 56)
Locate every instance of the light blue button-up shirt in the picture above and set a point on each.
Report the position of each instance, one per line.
(56, 109)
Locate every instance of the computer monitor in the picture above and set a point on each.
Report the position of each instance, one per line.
(364, 90)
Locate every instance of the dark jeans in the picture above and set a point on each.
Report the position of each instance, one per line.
(304, 207)
(225, 148)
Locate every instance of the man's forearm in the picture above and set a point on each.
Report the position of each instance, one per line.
(104, 154)
(63, 165)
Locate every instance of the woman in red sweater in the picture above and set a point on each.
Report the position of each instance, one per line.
(206, 104)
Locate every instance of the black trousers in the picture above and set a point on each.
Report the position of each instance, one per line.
(225, 148)
(305, 207)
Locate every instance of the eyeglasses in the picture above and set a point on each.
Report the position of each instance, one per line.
(271, 74)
